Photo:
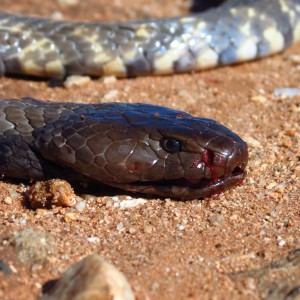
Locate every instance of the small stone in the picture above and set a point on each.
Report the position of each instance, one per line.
(68, 2)
(281, 243)
(76, 80)
(234, 217)
(155, 286)
(271, 185)
(8, 200)
(148, 229)
(252, 142)
(294, 58)
(51, 192)
(132, 230)
(57, 15)
(110, 96)
(120, 227)
(109, 203)
(80, 206)
(180, 227)
(91, 279)
(93, 239)
(124, 204)
(259, 99)
(15, 195)
(109, 79)
(284, 93)
(4, 268)
(295, 108)
(287, 143)
(291, 132)
(250, 284)
(216, 219)
(43, 212)
(70, 216)
(34, 247)
(273, 213)
(281, 187)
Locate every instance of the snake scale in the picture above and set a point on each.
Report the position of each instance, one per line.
(136, 147)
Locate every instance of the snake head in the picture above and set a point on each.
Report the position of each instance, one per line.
(147, 149)
(193, 157)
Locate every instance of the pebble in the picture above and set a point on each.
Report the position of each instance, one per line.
(216, 219)
(93, 239)
(132, 203)
(70, 216)
(148, 229)
(294, 58)
(76, 80)
(286, 92)
(8, 200)
(120, 227)
(57, 15)
(80, 206)
(252, 142)
(14, 195)
(281, 187)
(271, 185)
(51, 192)
(259, 99)
(68, 2)
(91, 279)
(34, 247)
(108, 79)
(180, 227)
(281, 243)
(4, 268)
(295, 108)
(110, 96)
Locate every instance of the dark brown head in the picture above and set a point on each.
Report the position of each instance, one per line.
(150, 149)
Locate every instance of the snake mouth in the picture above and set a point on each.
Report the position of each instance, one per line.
(182, 188)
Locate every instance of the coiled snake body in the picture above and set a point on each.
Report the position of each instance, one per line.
(136, 147)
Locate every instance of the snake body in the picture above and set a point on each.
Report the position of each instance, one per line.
(238, 30)
(136, 147)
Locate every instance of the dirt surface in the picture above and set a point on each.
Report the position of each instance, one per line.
(212, 249)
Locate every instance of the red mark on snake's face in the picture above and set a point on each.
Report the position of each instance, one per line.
(208, 158)
(137, 167)
(215, 180)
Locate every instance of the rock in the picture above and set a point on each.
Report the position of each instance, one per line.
(76, 81)
(91, 279)
(279, 280)
(34, 246)
(54, 192)
(4, 268)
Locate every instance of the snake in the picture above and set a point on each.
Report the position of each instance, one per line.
(135, 147)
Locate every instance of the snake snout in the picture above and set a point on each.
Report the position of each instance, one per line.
(238, 160)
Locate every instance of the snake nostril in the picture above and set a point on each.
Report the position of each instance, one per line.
(237, 171)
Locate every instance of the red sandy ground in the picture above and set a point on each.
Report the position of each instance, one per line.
(240, 230)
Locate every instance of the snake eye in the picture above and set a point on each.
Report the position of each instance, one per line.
(171, 145)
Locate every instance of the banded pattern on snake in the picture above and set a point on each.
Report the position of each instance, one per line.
(236, 31)
(136, 147)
